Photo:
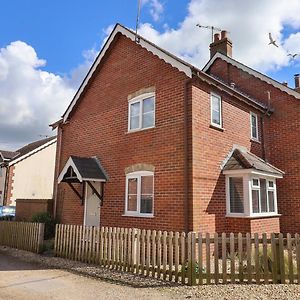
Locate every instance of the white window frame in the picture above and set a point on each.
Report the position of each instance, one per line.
(138, 175)
(140, 99)
(211, 110)
(248, 176)
(256, 126)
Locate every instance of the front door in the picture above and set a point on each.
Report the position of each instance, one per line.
(92, 205)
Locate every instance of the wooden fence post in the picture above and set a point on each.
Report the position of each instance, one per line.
(40, 237)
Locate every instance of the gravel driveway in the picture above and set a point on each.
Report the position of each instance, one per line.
(25, 275)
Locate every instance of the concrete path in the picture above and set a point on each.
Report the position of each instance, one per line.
(22, 280)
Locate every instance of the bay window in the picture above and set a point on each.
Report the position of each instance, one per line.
(250, 193)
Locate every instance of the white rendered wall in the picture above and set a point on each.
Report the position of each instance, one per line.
(34, 176)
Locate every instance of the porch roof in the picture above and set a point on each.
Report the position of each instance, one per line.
(79, 169)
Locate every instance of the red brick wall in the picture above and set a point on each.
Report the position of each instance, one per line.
(10, 182)
(255, 225)
(282, 131)
(210, 147)
(26, 208)
(99, 127)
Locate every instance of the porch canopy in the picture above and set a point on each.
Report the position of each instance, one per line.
(83, 170)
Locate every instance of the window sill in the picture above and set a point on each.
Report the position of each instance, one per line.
(255, 141)
(138, 130)
(216, 127)
(138, 215)
(262, 216)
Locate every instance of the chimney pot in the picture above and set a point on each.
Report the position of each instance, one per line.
(221, 44)
(216, 37)
(223, 34)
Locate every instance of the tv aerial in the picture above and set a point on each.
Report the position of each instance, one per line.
(212, 28)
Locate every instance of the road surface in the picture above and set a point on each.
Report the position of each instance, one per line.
(22, 280)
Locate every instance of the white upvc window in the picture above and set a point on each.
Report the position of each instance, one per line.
(141, 112)
(139, 194)
(254, 126)
(263, 195)
(250, 193)
(215, 110)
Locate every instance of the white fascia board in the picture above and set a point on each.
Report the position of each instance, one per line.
(251, 72)
(13, 162)
(151, 48)
(69, 163)
(252, 172)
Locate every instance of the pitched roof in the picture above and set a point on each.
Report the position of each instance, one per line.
(85, 168)
(173, 60)
(243, 159)
(8, 155)
(253, 72)
(31, 148)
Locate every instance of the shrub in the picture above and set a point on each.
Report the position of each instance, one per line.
(47, 219)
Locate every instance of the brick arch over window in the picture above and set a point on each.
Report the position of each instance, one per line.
(139, 167)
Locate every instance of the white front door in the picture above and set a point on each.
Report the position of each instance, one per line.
(92, 205)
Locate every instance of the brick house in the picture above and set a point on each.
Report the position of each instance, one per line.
(153, 142)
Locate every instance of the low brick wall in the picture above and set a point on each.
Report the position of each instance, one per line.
(26, 208)
(253, 225)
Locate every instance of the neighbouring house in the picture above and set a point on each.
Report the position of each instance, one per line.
(5, 157)
(30, 178)
(150, 141)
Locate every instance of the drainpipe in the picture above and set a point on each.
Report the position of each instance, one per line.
(6, 184)
(186, 157)
(57, 165)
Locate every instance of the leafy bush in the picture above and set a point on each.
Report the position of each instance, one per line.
(47, 219)
(6, 218)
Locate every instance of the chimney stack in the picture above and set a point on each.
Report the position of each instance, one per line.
(297, 83)
(221, 44)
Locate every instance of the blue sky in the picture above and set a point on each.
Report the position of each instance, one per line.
(60, 30)
(46, 47)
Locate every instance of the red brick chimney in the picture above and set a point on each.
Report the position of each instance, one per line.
(297, 83)
(221, 44)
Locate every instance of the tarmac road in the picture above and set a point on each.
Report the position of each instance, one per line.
(22, 280)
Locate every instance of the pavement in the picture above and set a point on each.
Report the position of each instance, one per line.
(23, 280)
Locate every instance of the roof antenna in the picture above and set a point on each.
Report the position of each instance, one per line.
(137, 38)
(212, 28)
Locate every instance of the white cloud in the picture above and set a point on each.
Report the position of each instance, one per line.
(248, 22)
(76, 75)
(30, 97)
(156, 8)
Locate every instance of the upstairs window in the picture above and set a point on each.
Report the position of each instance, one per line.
(139, 194)
(141, 112)
(254, 126)
(216, 110)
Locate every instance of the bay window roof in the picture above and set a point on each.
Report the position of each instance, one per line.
(241, 159)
